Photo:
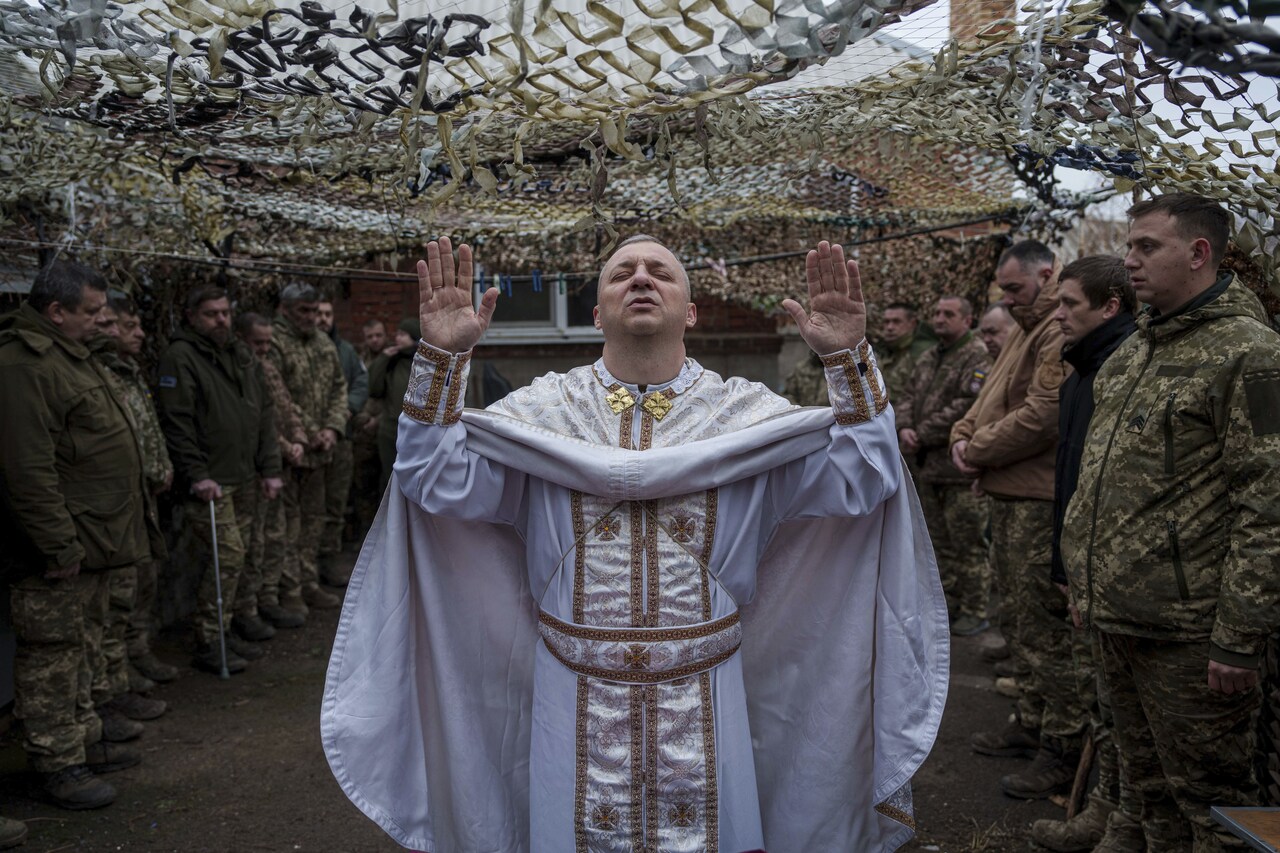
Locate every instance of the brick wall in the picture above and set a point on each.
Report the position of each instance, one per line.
(970, 17)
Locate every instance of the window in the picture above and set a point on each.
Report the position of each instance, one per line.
(537, 308)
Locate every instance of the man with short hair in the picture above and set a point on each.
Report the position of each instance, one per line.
(944, 384)
(1096, 306)
(220, 427)
(1170, 539)
(71, 494)
(550, 629)
(1008, 441)
(366, 491)
(994, 328)
(374, 337)
(338, 473)
(900, 344)
(262, 584)
(308, 363)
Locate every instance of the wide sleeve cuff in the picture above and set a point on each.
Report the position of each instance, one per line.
(855, 385)
(1230, 658)
(437, 385)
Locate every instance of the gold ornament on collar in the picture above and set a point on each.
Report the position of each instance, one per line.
(620, 399)
(657, 405)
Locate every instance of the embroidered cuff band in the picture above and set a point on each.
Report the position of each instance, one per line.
(437, 386)
(855, 385)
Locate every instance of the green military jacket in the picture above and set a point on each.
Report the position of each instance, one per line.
(807, 384)
(136, 396)
(215, 411)
(897, 360)
(1174, 528)
(70, 474)
(313, 375)
(943, 385)
(388, 381)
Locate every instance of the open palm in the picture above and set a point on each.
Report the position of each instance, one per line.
(449, 320)
(837, 316)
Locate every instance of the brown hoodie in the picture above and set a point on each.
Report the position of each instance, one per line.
(1012, 428)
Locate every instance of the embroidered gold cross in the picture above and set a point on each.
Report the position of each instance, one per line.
(606, 818)
(683, 815)
(620, 399)
(635, 657)
(657, 405)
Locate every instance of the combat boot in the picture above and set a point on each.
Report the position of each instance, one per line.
(77, 788)
(103, 757)
(137, 707)
(1013, 741)
(969, 626)
(1051, 772)
(281, 617)
(208, 658)
(998, 652)
(1010, 668)
(1123, 835)
(1009, 688)
(139, 683)
(1082, 832)
(12, 833)
(244, 648)
(116, 727)
(317, 598)
(154, 668)
(252, 628)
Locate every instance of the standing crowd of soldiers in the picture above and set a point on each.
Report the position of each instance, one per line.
(1112, 474)
(255, 434)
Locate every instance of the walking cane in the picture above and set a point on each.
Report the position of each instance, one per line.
(217, 585)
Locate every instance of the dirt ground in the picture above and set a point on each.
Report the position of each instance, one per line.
(237, 766)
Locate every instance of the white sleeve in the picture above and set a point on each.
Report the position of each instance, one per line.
(433, 466)
(861, 466)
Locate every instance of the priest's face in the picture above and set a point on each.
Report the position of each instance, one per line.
(644, 293)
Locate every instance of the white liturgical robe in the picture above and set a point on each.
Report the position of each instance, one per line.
(597, 618)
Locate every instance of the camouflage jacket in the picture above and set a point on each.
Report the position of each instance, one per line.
(135, 394)
(312, 373)
(897, 360)
(943, 386)
(1172, 532)
(288, 420)
(807, 384)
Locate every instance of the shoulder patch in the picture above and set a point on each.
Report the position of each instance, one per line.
(975, 381)
(168, 382)
(1262, 392)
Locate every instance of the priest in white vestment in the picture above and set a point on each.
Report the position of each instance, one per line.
(638, 607)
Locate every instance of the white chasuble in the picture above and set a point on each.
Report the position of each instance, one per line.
(597, 617)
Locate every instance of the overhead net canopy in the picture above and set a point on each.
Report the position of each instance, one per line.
(328, 132)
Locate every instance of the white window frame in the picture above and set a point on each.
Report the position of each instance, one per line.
(555, 331)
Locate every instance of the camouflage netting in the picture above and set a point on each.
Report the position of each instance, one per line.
(327, 136)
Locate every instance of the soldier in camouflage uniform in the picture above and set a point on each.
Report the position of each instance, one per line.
(339, 472)
(71, 502)
(944, 384)
(309, 364)
(364, 427)
(1008, 438)
(219, 425)
(1170, 539)
(264, 582)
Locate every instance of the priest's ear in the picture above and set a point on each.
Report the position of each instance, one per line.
(691, 316)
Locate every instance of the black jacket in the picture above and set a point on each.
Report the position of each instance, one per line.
(1075, 410)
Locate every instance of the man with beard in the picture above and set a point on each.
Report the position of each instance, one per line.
(220, 427)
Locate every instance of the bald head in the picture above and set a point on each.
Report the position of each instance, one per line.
(994, 328)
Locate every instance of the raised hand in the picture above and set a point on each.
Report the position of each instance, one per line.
(837, 317)
(449, 322)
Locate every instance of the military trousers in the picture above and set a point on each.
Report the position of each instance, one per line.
(304, 523)
(337, 490)
(956, 519)
(1034, 617)
(271, 554)
(142, 618)
(58, 624)
(1183, 745)
(111, 658)
(235, 512)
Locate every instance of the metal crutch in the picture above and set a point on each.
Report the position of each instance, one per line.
(217, 585)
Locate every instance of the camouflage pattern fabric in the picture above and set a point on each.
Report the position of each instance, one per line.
(1114, 784)
(135, 395)
(938, 391)
(337, 490)
(137, 637)
(289, 428)
(111, 672)
(956, 519)
(55, 622)
(269, 554)
(311, 371)
(807, 384)
(304, 524)
(1034, 617)
(1185, 745)
(898, 359)
(1173, 528)
(235, 513)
